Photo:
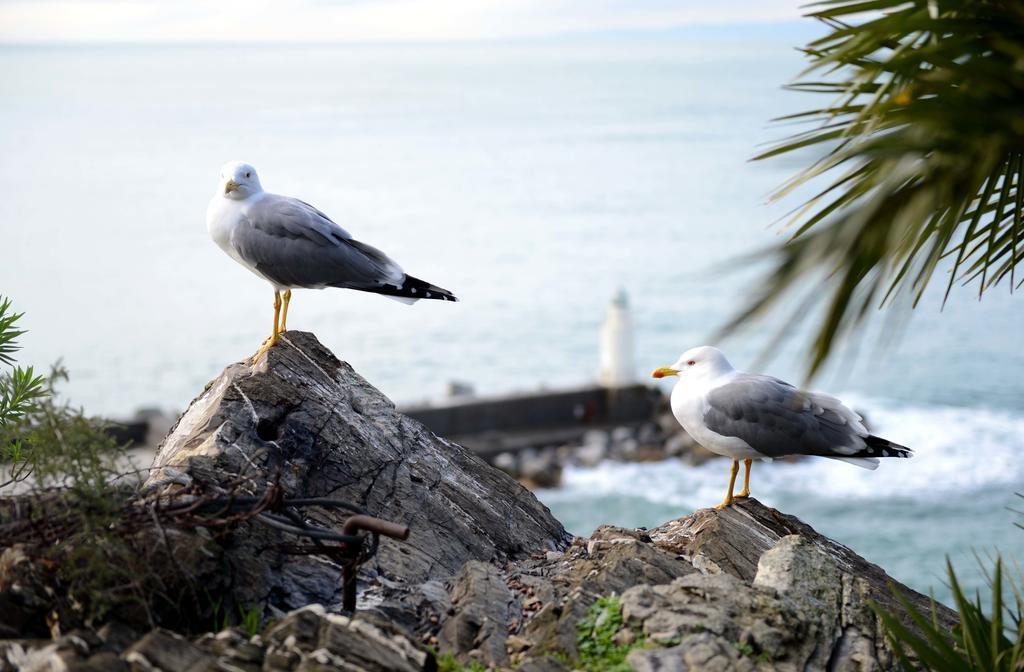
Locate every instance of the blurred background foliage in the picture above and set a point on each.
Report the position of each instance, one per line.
(43, 440)
(920, 161)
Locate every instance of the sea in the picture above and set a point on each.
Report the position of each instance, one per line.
(534, 179)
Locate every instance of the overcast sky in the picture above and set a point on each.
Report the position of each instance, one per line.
(363, 20)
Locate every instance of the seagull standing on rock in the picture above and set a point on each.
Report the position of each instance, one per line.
(291, 244)
(745, 417)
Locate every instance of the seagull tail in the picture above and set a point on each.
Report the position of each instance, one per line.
(862, 462)
(875, 447)
(414, 289)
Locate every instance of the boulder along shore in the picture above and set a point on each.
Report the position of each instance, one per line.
(291, 490)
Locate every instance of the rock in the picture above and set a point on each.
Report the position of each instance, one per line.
(805, 606)
(163, 650)
(627, 449)
(306, 639)
(796, 569)
(116, 636)
(624, 637)
(747, 588)
(540, 469)
(734, 540)
(507, 462)
(25, 602)
(620, 434)
(479, 622)
(158, 424)
(303, 419)
(793, 616)
(666, 421)
(543, 664)
(487, 575)
(803, 574)
(609, 562)
(311, 638)
(715, 621)
(590, 454)
(648, 432)
(595, 437)
(701, 652)
(129, 433)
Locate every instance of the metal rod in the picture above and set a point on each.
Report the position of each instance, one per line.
(312, 533)
(349, 570)
(371, 524)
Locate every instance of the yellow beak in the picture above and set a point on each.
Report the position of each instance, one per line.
(230, 186)
(664, 371)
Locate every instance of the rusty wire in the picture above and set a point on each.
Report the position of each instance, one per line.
(53, 516)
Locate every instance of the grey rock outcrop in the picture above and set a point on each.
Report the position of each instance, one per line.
(488, 576)
(306, 639)
(742, 589)
(735, 541)
(302, 419)
(717, 621)
(479, 617)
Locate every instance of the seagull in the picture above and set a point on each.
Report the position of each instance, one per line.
(745, 416)
(291, 244)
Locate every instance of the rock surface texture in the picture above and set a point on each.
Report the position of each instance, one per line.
(302, 419)
(487, 578)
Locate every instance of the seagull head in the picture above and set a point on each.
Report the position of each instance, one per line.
(702, 363)
(239, 181)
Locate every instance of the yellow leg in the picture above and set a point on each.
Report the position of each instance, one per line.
(284, 311)
(272, 341)
(735, 469)
(745, 492)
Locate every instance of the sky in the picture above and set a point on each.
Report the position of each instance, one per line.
(103, 21)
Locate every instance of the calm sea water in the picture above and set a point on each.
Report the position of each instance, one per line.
(533, 180)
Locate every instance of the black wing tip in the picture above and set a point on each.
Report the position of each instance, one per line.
(879, 447)
(421, 289)
(414, 288)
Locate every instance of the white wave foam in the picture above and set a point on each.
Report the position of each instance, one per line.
(956, 450)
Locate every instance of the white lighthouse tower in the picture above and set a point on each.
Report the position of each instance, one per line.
(617, 368)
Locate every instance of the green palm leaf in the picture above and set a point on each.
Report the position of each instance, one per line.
(922, 158)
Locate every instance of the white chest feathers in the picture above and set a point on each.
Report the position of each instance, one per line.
(223, 216)
(689, 406)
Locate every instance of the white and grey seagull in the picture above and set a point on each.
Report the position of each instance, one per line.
(291, 244)
(746, 417)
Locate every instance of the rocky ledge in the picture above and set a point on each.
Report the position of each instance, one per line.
(487, 577)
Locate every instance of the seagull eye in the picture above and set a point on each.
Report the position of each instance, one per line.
(691, 363)
(248, 174)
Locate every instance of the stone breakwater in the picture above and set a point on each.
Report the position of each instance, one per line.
(487, 576)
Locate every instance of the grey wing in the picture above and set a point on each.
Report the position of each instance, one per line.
(776, 419)
(293, 244)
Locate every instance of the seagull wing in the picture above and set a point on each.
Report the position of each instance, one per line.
(776, 419)
(293, 244)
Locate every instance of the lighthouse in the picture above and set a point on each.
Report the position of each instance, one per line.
(617, 368)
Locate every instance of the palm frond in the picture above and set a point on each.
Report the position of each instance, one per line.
(924, 143)
(981, 641)
(9, 331)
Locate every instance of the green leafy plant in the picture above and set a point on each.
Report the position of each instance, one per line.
(981, 642)
(20, 389)
(921, 160)
(63, 468)
(748, 651)
(55, 444)
(217, 614)
(595, 637)
(250, 619)
(43, 438)
(447, 662)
